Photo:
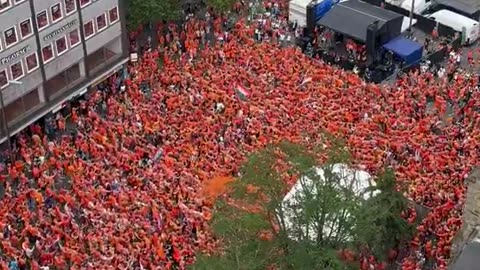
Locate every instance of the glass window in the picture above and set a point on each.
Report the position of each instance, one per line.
(74, 37)
(47, 53)
(32, 62)
(113, 14)
(56, 12)
(3, 79)
(10, 36)
(26, 28)
(70, 6)
(17, 70)
(84, 2)
(4, 4)
(101, 22)
(42, 20)
(88, 29)
(61, 45)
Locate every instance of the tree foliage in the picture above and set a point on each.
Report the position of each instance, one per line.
(141, 12)
(221, 5)
(327, 215)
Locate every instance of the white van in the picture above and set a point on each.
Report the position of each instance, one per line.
(468, 27)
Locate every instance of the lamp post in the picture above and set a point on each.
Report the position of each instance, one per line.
(5, 123)
(412, 10)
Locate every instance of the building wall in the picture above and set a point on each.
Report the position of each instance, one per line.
(102, 38)
(86, 54)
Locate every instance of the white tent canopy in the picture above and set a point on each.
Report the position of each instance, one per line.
(356, 180)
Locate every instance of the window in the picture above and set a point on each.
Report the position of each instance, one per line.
(61, 45)
(4, 4)
(26, 28)
(74, 38)
(10, 36)
(17, 70)
(56, 12)
(42, 20)
(113, 14)
(47, 53)
(70, 6)
(84, 2)
(88, 29)
(18, 1)
(3, 79)
(101, 22)
(32, 62)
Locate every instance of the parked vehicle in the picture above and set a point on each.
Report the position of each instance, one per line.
(468, 27)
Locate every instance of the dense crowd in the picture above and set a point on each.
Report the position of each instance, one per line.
(121, 190)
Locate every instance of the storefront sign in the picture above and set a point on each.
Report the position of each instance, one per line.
(60, 30)
(15, 55)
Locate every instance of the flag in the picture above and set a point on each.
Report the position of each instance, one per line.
(241, 92)
(306, 80)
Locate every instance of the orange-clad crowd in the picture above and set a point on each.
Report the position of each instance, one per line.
(121, 192)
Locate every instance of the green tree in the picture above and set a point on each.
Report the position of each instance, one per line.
(327, 215)
(141, 12)
(221, 5)
(381, 214)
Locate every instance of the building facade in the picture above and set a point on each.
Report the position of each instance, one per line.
(53, 50)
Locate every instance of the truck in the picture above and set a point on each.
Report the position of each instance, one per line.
(297, 10)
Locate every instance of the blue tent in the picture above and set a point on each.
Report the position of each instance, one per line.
(406, 49)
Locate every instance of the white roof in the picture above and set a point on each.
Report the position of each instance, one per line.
(356, 180)
(451, 18)
(301, 3)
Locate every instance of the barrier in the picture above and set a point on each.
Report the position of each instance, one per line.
(445, 31)
(425, 24)
(456, 43)
(438, 56)
(398, 9)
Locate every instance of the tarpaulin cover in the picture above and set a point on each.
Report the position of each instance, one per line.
(407, 49)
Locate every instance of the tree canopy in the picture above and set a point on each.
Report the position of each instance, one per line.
(141, 12)
(221, 5)
(254, 223)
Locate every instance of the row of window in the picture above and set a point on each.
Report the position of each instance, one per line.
(69, 4)
(17, 70)
(90, 28)
(11, 36)
(6, 4)
(58, 47)
(55, 14)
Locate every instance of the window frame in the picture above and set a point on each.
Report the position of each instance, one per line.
(17, 2)
(56, 47)
(84, 5)
(106, 22)
(93, 27)
(5, 37)
(53, 53)
(26, 62)
(10, 5)
(71, 12)
(48, 20)
(109, 18)
(11, 72)
(6, 75)
(61, 12)
(79, 38)
(31, 28)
